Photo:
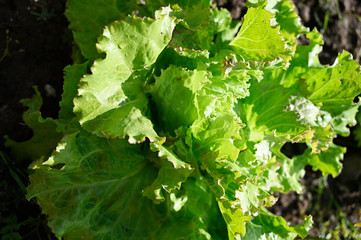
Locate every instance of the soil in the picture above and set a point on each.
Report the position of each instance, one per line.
(35, 46)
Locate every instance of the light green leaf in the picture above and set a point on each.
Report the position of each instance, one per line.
(181, 57)
(196, 199)
(132, 46)
(194, 14)
(171, 174)
(224, 179)
(312, 107)
(250, 198)
(133, 124)
(73, 74)
(195, 31)
(235, 220)
(258, 40)
(328, 162)
(333, 87)
(87, 29)
(91, 189)
(287, 18)
(225, 91)
(222, 19)
(174, 93)
(264, 112)
(340, 123)
(268, 226)
(216, 135)
(307, 55)
(288, 175)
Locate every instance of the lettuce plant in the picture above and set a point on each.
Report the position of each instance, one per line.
(176, 129)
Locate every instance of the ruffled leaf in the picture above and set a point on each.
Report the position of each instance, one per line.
(171, 174)
(257, 39)
(235, 220)
(174, 93)
(132, 46)
(328, 162)
(73, 74)
(269, 226)
(45, 136)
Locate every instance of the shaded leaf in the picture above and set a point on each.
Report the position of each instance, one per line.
(45, 136)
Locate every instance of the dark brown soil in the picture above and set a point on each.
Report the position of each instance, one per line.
(35, 46)
(38, 48)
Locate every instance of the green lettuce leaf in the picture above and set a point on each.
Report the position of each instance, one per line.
(92, 189)
(264, 111)
(171, 174)
(87, 175)
(307, 55)
(45, 135)
(132, 46)
(258, 40)
(328, 162)
(174, 94)
(195, 31)
(87, 29)
(287, 18)
(73, 74)
(334, 87)
(204, 115)
(269, 226)
(235, 221)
